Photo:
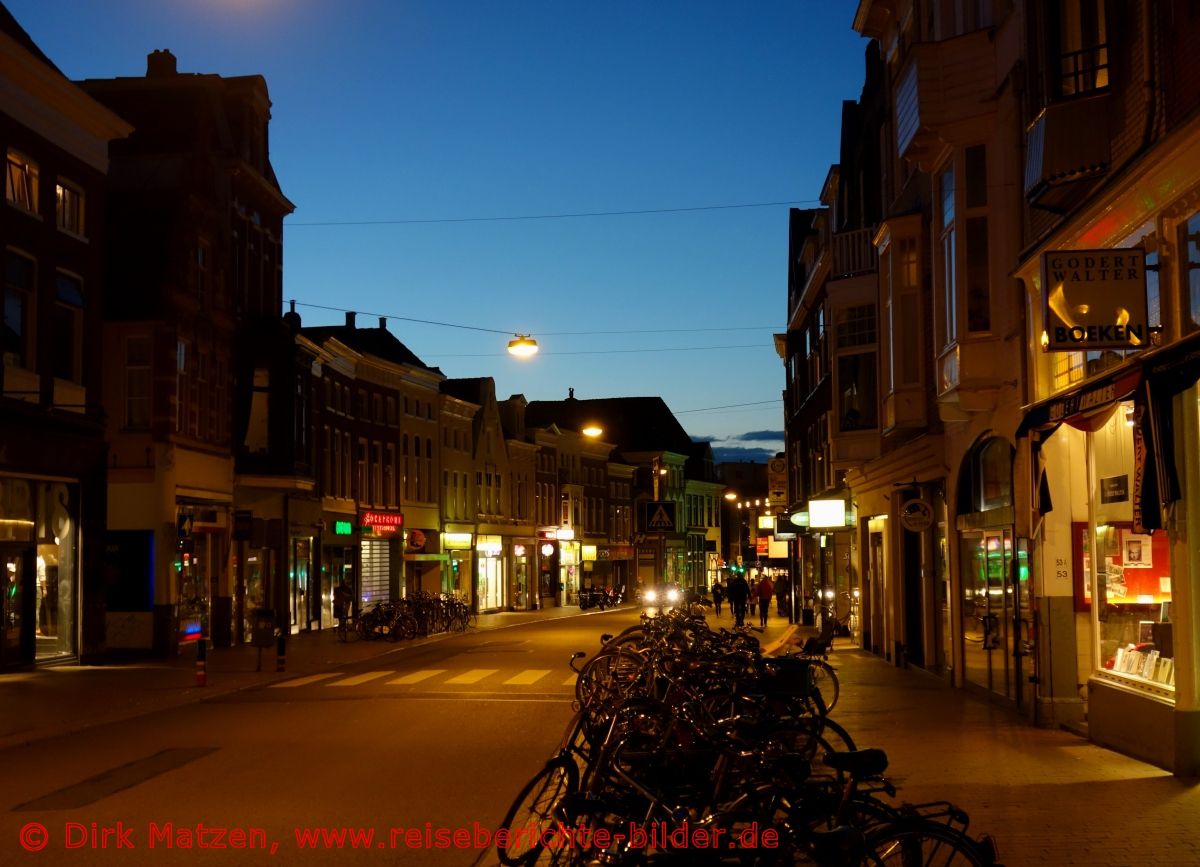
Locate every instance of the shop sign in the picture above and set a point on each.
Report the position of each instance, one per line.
(1094, 299)
(762, 545)
(827, 513)
(1114, 489)
(382, 523)
(777, 483)
(916, 516)
(589, 553)
(343, 528)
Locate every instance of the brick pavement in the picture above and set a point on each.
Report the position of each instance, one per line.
(1049, 796)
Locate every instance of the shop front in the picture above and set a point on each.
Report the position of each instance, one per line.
(522, 587)
(39, 555)
(381, 534)
(570, 571)
(490, 577)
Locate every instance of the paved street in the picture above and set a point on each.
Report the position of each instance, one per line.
(444, 732)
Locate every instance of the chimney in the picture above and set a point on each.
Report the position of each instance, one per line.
(383, 323)
(160, 64)
(350, 319)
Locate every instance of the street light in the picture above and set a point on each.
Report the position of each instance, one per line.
(592, 430)
(522, 346)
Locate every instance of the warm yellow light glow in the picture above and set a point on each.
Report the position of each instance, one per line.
(593, 430)
(731, 495)
(522, 346)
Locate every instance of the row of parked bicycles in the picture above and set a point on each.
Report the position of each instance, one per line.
(689, 746)
(418, 614)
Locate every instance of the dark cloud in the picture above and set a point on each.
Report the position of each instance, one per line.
(706, 439)
(770, 436)
(722, 454)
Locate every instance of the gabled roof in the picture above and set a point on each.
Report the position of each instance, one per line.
(10, 27)
(369, 341)
(632, 424)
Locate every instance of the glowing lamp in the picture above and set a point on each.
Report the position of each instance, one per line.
(522, 346)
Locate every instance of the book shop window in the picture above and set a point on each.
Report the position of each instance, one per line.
(1124, 570)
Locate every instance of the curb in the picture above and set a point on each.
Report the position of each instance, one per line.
(780, 642)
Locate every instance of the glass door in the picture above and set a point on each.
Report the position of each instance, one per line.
(994, 607)
(17, 606)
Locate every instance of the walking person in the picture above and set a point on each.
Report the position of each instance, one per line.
(739, 592)
(341, 607)
(718, 595)
(764, 590)
(753, 585)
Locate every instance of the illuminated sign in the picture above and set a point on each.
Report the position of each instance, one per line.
(547, 549)
(827, 513)
(766, 522)
(565, 533)
(456, 540)
(589, 553)
(382, 519)
(342, 528)
(1095, 299)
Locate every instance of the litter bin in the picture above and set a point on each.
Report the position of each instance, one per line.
(808, 617)
(262, 627)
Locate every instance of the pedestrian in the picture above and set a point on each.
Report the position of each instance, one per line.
(765, 590)
(341, 605)
(753, 597)
(739, 592)
(718, 595)
(782, 594)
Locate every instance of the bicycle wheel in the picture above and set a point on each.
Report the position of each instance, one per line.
(532, 812)
(825, 679)
(918, 843)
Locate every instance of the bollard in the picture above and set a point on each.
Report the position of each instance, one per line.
(202, 662)
(281, 652)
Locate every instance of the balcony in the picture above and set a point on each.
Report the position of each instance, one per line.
(945, 88)
(853, 254)
(1067, 147)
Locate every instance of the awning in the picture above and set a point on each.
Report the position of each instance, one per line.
(1087, 408)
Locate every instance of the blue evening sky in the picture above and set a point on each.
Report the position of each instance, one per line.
(446, 110)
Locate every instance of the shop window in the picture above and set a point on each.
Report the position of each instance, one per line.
(21, 184)
(1136, 639)
(17, 334)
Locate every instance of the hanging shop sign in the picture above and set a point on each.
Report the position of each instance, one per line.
(916, 516)
(1094, 299)
(777, 483)
(416, 540)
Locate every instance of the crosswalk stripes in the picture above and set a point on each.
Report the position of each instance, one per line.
(361, 678)
(432, 677)
(528, 677)
(473, 676)
(304, 681)
(417, 676)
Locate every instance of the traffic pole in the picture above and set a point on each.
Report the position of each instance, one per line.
(281, 652)
(202, 662)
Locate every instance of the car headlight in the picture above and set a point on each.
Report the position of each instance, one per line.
(650, 596)
(672, 595)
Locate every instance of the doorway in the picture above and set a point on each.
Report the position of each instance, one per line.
(17, 620)
(995, 607)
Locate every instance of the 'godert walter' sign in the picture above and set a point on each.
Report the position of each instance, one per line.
(1095, 299)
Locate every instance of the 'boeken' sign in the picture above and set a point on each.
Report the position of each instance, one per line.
(1095, 299)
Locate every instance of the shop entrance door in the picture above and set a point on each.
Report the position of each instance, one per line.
(992, 650)
(17, 621)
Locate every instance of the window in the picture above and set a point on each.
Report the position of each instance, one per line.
(1192, 259)
(68, 328)
(1082, 47)
(137, 382)
(203, 273)
(17, 333)
(21, 184)
(975, 226)
(950, 310)
(68, 207)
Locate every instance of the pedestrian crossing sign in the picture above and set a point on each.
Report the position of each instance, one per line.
(660, 516)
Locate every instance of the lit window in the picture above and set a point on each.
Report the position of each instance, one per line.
(69, 200)
(21, 185)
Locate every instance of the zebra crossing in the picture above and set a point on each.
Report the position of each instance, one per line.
(490, 678)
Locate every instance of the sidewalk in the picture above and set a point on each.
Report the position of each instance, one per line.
(1048, 796)
(59, 699)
